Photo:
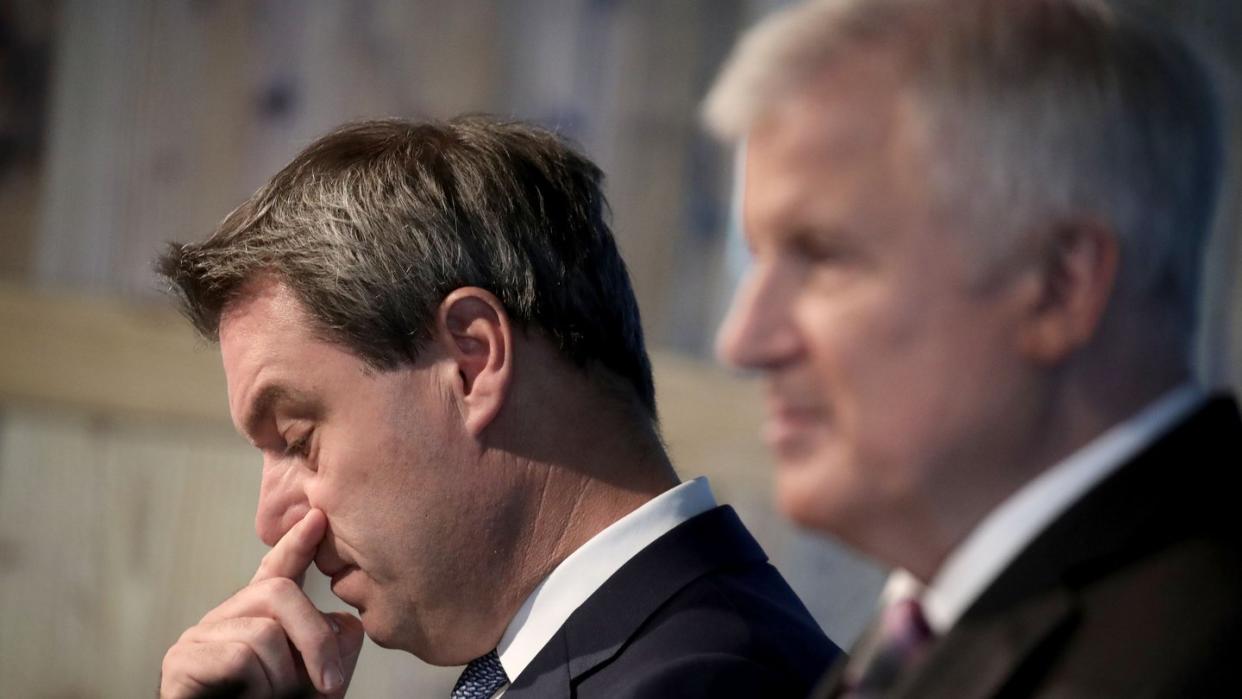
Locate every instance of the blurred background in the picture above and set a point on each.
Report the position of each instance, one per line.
(126, 501)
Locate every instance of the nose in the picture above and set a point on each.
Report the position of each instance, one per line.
(282, 500)
(757, 332)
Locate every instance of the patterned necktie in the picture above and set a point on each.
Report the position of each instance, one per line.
(481, 678)
(896, 645)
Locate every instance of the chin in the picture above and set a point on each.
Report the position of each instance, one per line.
(387, 632)
(797, 498)
(799, 505)
(378, 630)
(815, 492)
(440, 654)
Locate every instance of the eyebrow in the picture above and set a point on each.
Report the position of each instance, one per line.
(267, 399)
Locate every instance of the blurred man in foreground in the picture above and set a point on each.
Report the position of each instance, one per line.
(428, 332)
(977, 229)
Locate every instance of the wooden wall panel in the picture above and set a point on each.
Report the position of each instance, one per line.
(106, 357)
(114, 541)
(116, 536)
(165, 115)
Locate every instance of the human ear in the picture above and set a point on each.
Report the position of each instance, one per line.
(1075, 276)
(474, 328)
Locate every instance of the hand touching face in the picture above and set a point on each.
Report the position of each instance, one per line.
(268, 640)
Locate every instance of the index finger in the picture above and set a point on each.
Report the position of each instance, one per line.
(292, 555)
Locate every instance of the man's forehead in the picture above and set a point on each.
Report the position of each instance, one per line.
(265, 299)
(263, 333)
(848, 107)
(819, 150)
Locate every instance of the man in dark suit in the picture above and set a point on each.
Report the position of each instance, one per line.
(697, 613)
(977, 229)
(429, 334)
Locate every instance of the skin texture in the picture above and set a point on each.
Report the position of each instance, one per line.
(905, 399)
(435, 495)
(269, 637)
(389, 457)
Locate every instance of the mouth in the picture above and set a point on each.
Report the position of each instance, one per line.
(339, 575)
(788, 424)
(339, 570)
(341, 587)
(336, 572)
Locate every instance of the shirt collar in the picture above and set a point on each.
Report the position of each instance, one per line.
(1007, 530)
(584, 571)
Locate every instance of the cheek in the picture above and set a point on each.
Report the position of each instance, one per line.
(876, 364)
(343, 472)
(850, 343)
(370, 473)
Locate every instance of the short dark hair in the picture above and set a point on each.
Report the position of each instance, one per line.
(374, 224)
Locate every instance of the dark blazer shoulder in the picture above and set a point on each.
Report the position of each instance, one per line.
(1131, 592)
(699, 612)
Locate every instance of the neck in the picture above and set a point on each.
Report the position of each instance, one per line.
(577, 506)
(1078, 405)
(583, 465)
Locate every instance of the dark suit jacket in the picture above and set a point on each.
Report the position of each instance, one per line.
(1136, 591)
(698, 613)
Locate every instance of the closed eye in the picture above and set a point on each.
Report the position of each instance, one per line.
(299, 447)
(815, 248)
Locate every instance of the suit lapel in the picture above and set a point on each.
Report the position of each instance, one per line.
(981, 654)
(1030, 610)
(601, 627)
(976, 658)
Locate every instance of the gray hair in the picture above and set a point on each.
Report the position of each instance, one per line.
(1036, 112)
(374, 224)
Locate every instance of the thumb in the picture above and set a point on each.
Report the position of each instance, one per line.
(349, 643)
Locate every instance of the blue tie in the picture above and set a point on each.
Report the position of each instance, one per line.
(481, 678)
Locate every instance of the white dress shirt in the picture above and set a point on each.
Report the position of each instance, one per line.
(1009, 528)
(584, 571)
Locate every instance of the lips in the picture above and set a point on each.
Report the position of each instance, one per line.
(794, 412)
(344, 590)
(340, 574)
(789, 422)
(336, 570)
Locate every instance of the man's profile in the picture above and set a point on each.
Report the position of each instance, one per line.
(977, 230)
(429, 334)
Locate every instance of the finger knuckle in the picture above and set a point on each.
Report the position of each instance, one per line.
(268, 558)
(235, 659)
(184, 637)
(175, 688)
(268, 631)
(170, 664)
(281, 586)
